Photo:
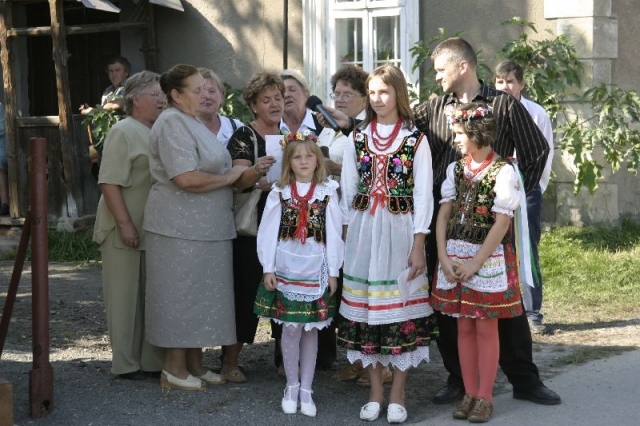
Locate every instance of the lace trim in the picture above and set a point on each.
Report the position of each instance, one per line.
(307, 325)
(503, 210)
(322, 190)
(324, 283)
(401, 362)
(446, 200)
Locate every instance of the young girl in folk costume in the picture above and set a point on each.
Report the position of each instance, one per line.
(387, 204)
(301, 251)
(477, 278)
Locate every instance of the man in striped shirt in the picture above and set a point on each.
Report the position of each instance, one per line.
(455, 65)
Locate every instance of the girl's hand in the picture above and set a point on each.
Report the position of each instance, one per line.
(333, 285)
(467, 270)
(269, 280)
(450, 270)
(417, 262)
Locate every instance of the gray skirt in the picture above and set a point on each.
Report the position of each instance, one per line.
(189, 300)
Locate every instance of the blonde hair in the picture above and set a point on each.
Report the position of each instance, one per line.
(288, 177)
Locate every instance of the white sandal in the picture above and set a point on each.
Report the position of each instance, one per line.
(212, 378)
(308, 408)
(396, 413)
(370, 411)
(169, 381)
(289, 405)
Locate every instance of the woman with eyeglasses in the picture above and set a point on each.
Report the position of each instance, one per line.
(190, 228)
(349, 96)
(125, 182)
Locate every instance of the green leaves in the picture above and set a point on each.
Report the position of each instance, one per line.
(100, 121)
(605, 135)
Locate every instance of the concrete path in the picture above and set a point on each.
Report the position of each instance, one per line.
(603, 392)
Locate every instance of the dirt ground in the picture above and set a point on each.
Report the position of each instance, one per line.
(86, 392)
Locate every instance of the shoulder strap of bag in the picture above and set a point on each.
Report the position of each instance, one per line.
(233, 123)
(255, 145)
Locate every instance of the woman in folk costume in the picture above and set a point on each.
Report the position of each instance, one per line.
(301, 251)
(477, 278)
(387, 205)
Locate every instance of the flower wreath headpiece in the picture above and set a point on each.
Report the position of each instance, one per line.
(458, 116)
(298, 136)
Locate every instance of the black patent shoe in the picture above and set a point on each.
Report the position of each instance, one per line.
(448, 394)
(539, 394)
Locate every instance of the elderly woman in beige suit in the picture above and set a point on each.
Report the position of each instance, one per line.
(125, 182)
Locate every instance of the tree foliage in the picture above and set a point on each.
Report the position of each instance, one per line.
(597, 126)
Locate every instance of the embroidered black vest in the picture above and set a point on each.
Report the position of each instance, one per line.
(472, 218)
(398, 173)
(316, 224)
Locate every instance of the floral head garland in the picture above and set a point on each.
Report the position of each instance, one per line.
(305, 135)
(458, 116)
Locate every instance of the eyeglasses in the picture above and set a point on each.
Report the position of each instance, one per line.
(347, 96)
(154, 94)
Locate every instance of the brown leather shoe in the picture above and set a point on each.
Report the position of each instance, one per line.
(349, 372)
(481, 412)
(464, 408)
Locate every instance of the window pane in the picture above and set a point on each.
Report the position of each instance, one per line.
(386, 34)
(348, 41)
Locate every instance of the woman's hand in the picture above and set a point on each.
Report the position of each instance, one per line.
(129, 235)
(263, 164)
(263, 184)
(417, 262)
(269, 280)
(234, 173)
(333, 285)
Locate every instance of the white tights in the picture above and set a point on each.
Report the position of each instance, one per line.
(299, 347)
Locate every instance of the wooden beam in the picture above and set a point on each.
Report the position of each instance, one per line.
(11, 108)
(150, 48)
(60, 57)
(76, 29)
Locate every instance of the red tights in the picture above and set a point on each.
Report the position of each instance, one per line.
(479, 351)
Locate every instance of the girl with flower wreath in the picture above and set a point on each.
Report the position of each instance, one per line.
(301, 251)
(477, 278)
(387, 206)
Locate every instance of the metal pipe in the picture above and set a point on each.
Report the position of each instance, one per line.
(285, 36)
(41, 375)
(21, 254)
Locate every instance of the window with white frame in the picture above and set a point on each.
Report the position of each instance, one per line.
(369, 33)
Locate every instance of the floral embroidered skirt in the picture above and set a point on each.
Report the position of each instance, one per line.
(274, 305)
(402, 344)
(463, 301)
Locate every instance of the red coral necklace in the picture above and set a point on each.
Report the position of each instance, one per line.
(386, 140)
(470, 173)
(303, 213)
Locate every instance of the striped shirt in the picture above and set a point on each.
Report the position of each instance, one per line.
(516, 132)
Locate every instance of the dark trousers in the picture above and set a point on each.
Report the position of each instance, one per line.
(532, 296)
(516, 346)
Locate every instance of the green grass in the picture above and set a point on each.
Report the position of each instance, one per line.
(591, 274)
(67, 247)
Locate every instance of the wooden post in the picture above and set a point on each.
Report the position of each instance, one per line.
(11, 107)
(70, 165)
(150, 49)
